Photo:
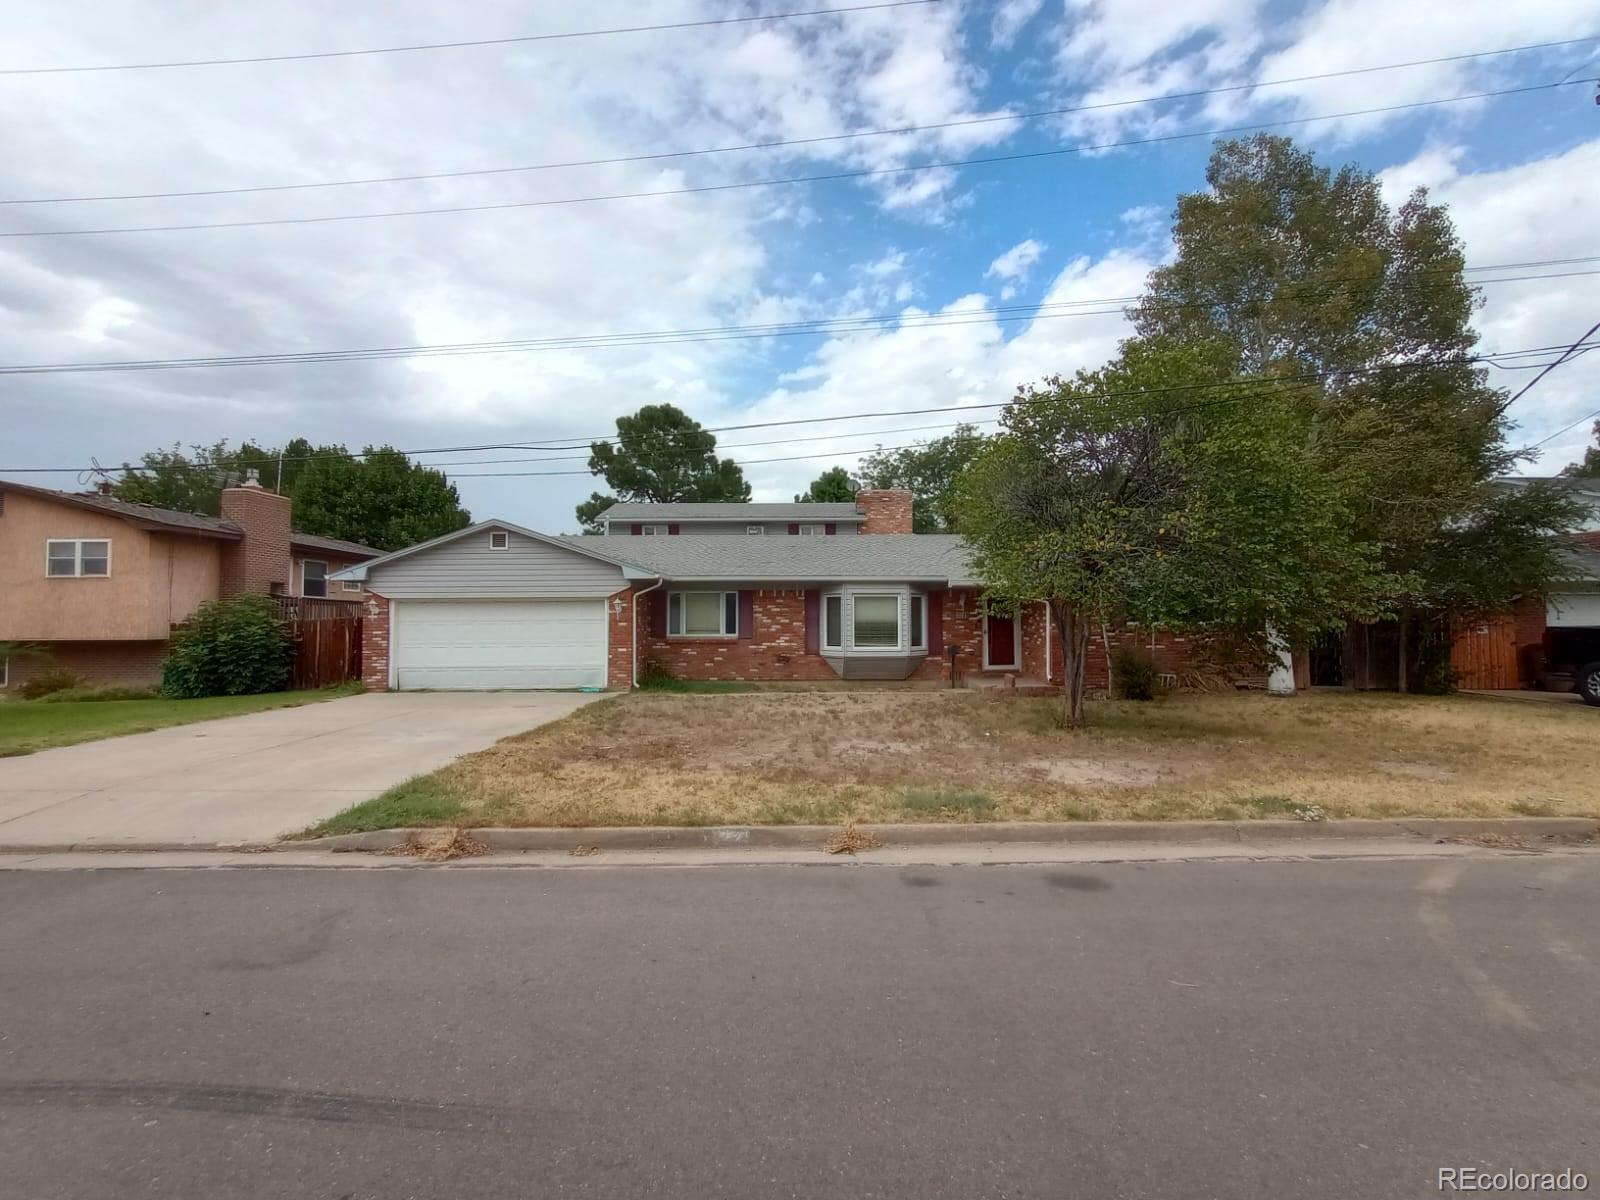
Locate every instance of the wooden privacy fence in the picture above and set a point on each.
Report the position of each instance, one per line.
(327, 640)
(1484, 652)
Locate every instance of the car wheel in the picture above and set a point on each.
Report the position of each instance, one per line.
(1589, 683)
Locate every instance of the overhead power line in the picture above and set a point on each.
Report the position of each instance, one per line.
(1220, 385)
(1098, 306)
(1578, 347)
(794, 142)
(461, 45)
(828, 177)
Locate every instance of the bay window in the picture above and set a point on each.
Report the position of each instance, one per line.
(833, 622)
(876, 621)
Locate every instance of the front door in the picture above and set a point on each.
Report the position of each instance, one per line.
(999, 642)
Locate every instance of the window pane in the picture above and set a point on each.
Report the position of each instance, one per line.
(314, 578)
(63, 559)
(675, 613)
(916, 619)
(833, 624)
(702, 613)
(94, 558)
(877, 620)
(730, 613)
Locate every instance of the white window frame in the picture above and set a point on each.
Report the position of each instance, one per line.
(834, 598)
(898, 646)
(677, 610)
(812, 529)
(77, 545)
(654, 530)
(499, 539)
(349, 585)
(306, 562)
(755, 530)
(5, 673)
(918, 607)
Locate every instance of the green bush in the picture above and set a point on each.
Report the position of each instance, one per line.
(654, 675)
(1134, 674)
(77, 695)
(236, 647)
(53, 679)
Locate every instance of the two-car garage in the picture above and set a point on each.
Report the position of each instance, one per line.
(485, 644)
(496, 606)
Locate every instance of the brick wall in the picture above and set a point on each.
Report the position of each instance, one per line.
(888, 510)
(619, 652)
(1590, 538)
(1528, 620)
(104, 664)
(375, 643)
(258, 562)
(776, 652)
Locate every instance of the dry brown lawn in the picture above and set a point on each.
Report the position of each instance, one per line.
(827, 757)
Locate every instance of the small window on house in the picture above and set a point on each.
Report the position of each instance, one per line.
(918, 604)
(499, 539)
(833, 622)
(349, 585)
(813, 530)
(67, 558)
(755, 530)
(877, 622)
(313, 578)
(703, 614)
(653, 530)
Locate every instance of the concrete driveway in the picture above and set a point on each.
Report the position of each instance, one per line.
(252, 778)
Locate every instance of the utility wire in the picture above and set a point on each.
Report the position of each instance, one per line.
(818, 327)
(791, 142)
(832, 176)
(500, 41)
(1220, 385)
(1575, 349)
(1566, 429)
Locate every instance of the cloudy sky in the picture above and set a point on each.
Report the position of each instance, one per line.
(949, 261)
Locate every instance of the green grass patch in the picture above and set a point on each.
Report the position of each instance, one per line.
(29, 725)
(702, 687)
(421, 800)
(947, 804)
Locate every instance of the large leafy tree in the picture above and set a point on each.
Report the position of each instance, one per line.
(833, 485)
(380, 498)
(928, 471)
(1110, 502)
(1589, 467)
(661, 455)
(1306, 273)
(192, 480)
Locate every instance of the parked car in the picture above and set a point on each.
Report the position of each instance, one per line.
(1573, 654)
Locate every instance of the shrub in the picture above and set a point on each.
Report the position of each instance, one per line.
(1134, 674)
(73, 695)
(654, 674)
(235, 647)
(53, 679)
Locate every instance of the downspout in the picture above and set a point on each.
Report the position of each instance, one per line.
(636, 596)
(1047, 655)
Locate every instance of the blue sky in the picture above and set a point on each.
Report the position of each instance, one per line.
(1517, 172)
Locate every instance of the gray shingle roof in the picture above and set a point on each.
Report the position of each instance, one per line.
(146, 513)
(1584, 562)
(922, 557)
(315, 541)
(842, 511)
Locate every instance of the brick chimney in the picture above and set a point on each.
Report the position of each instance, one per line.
(888, 510)
(259, 561)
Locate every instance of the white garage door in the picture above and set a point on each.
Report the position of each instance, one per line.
(1568, 609)
(478, 644)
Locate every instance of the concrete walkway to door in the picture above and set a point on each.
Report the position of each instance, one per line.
(252, 778)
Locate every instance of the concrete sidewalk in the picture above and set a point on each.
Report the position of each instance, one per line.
(251, 778)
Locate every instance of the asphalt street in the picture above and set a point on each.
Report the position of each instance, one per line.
(1225, 1029)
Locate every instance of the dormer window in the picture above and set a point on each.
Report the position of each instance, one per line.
(653, 530)
(755, 530)
(812, 530)
(499, 539)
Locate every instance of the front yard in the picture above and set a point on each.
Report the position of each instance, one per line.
(825, 757)
(29, 725)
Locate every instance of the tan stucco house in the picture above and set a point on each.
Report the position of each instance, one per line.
(100, 583)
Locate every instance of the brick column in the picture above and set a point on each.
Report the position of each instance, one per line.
(619, 652)
(375, 644)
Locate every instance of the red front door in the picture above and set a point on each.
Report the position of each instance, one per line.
(1001, 635)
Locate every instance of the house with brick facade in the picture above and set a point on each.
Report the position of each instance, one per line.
(99, 583)
(773, 592)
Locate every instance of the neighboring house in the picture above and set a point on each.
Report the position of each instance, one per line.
(100, 583)
(499, 606)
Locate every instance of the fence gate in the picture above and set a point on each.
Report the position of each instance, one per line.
(1484, 652)
(327, 640)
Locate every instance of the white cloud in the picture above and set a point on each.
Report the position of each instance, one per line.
(1010, 16)
(1013, 266)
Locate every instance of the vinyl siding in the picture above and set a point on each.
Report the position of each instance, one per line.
(466, 568)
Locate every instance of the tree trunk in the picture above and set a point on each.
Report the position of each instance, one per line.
(1105, 641)
(1405, 651)
(1074, 626)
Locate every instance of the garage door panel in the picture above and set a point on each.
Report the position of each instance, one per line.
(483, 644)
(1568, 610)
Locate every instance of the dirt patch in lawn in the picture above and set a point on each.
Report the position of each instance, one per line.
(883, 756)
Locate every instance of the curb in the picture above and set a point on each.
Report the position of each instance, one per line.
(812, 836)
